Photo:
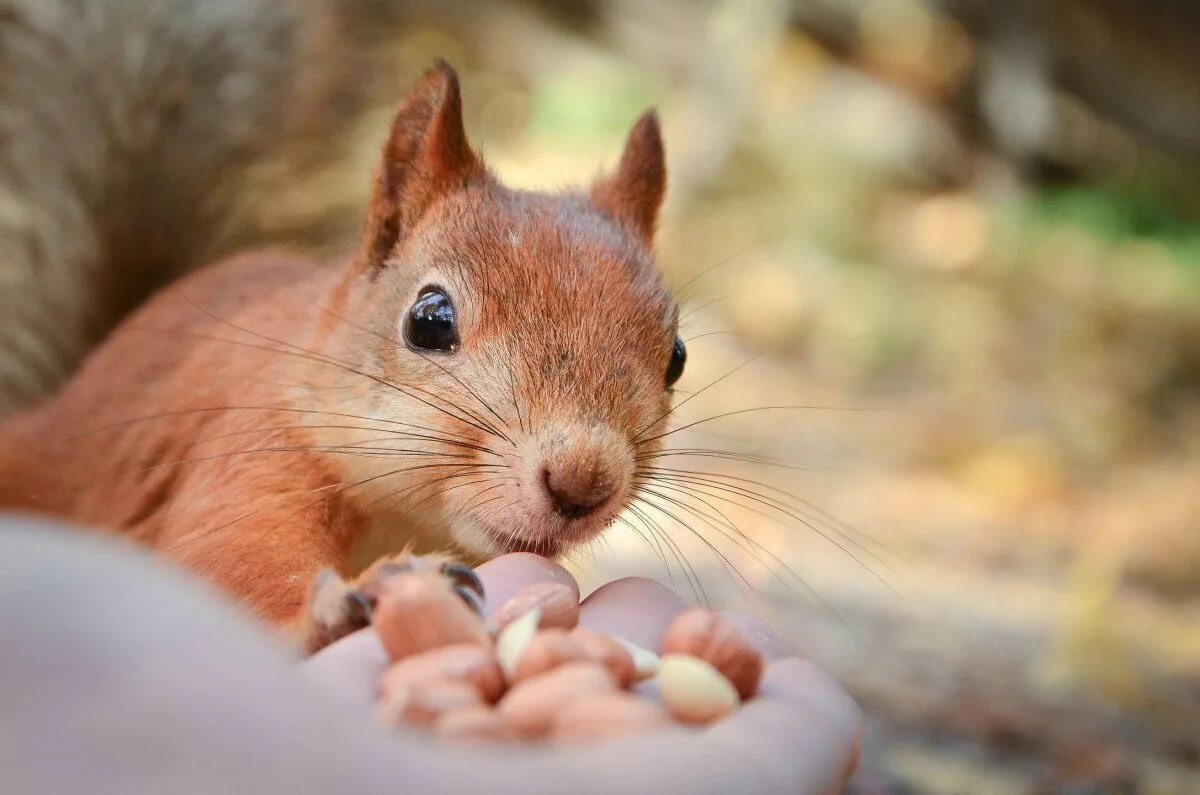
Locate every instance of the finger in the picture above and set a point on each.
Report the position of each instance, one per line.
(349, 670)
(505, 576)
(800, 735)
(758, 634)
(634, 608)
(798, 707)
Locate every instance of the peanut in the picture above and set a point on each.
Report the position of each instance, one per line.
(465, 662)
(531, 706)
(606, 716)
(704, 634)
(547, 649)
(512, 640)
(559, 606)
(420, 704)
(473, 724)
(694, 691)
(646, 663)
(608, 652)
(418, 612)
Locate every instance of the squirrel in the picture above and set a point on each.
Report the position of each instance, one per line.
(482, 376)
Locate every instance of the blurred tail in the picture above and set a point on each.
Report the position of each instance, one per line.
(128, 132)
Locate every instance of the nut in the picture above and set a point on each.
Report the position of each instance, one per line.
(417, 612)
(531, 706)
(551, 648)
(548, 649)
(473, 725)
(607, 716)
(704, 634)
(421, 704)
(512, 640)
(608, 652)
(693, 690)
(463, 662)
(559, 605)
(646, 663)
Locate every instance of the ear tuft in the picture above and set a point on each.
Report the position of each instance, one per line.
(634, 194)
(426, 156)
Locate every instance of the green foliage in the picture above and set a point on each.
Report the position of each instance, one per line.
(1118, 216)
(592, 104)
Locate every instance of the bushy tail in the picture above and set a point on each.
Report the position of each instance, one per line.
(128, 129)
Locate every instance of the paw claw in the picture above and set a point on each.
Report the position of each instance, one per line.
(359, 609)
(463, 577)
(473, 600)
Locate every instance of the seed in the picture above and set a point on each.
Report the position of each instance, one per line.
(646, 664)
(694, 691)
(473, 725)
(464, 662)
(706, 635)
(530, 707)
(417, 612)
(512, 640)
(558, 603)
(607, 716)
(421, 704)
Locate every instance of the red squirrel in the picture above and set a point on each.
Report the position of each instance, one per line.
(481, 377)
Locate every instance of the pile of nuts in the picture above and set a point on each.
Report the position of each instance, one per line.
(532, 675)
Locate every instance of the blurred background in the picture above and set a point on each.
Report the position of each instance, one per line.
(966, 233)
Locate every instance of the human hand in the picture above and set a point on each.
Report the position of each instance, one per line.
(800, 735)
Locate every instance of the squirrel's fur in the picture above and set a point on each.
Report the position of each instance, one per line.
(128, 131)
(265, 419)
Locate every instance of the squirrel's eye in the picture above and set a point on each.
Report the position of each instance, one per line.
(431, 323)
(678, 359)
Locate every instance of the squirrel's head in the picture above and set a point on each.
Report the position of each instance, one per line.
(521, 346)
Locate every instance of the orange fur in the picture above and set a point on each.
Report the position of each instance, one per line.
(263, 419)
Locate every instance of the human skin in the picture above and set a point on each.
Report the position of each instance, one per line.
(119, 674)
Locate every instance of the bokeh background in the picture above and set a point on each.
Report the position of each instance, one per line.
(967, 234)
(970, 232)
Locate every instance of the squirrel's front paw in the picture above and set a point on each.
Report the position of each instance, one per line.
(336, 608)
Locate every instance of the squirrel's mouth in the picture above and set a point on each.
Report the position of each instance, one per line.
(560, 537)
(508, 542)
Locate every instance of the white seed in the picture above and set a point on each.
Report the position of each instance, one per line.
(693, 690)
(513, 639)
(646, 664)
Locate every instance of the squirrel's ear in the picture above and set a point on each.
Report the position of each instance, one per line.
(634, 193)
(426, 156)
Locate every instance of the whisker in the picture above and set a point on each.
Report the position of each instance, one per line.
(729, 565)
(392, 435)
(339, 489)
(316, 356)
(470, 391)
(709, 334)
(728, 455)
(694, 579)
(749, 545)
(807, 509)
(725, 414)
(512, 388)
(819, 532)
(462, 485)
(465, 470)
(653, 547)
(351, 450)
(709, 303)
(683, 402)
(472, 502)
(677, 293)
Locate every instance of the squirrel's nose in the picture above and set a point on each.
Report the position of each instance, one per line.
(575, 491)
